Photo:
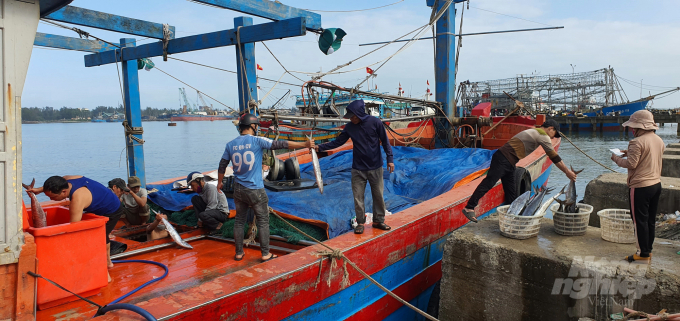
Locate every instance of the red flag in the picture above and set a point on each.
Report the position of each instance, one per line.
(428, 90)
(428, 82)
(376, 87)
(369, 70)
(259, 67)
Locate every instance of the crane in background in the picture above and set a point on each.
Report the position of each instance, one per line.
(183, 99)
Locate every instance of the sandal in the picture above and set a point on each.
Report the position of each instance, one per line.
(470, 214)
(273, 256)
(637, 258)
(359, 229)
(236, 258)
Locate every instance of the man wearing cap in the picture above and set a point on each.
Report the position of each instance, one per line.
(505, 158)
(245, 154)
(367, 134)
(134, 198)
(210, 205)
(644, 158)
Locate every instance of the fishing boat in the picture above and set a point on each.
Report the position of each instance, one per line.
(306, 282)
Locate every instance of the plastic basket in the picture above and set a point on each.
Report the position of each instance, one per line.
(571, 224)
(616, 226)
(518, 227)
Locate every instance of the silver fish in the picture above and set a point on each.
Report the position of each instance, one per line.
(173, 233)
(317, 170)
(547, 203)
(39, 217)
(519, 203)
(536, 201)
(569, 203)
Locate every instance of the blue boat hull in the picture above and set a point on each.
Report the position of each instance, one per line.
(624, 110)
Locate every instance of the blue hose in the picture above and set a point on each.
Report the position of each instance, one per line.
(114, 305)
(143, 285)
(126, 306)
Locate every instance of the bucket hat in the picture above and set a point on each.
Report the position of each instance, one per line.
(134, 181)
(641, 119)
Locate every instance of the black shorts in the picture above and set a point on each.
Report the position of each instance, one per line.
(113, 220)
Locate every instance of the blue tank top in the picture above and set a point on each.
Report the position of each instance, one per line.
(104, 201)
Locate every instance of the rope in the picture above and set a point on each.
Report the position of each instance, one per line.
(129, 131)
(192, 87)
(584, 153)
(166, 37)
(61, 287)
(277, 60)
(336, 254)
(358, 10)
(271, 89)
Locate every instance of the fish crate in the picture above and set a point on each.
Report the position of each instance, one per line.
(518, 227)
(617, 226)
(571, 224)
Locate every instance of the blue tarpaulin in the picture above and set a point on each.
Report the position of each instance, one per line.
(419, 175)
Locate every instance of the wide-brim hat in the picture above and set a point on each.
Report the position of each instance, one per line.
(641, 119)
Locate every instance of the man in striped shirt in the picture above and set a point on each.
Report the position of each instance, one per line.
(505, 158)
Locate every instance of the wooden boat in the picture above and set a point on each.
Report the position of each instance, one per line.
(206, 283)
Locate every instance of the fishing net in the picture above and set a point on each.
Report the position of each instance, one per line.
(276, 226)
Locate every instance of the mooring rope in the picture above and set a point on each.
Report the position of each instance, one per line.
(584, 153)
(334, 254)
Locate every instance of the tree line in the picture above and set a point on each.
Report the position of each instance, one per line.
(67, 113)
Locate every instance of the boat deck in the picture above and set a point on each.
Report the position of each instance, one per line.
(209, 259)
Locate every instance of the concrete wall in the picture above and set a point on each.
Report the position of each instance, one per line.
(486, 276)
(671, 151)
(611, 191)
(673, 145)
(670, 166)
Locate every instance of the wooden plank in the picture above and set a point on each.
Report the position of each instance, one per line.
(266, 31)
(107, 21)
(70, 43)
(267, 9)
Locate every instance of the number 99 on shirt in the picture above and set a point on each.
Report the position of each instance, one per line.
(248, 158)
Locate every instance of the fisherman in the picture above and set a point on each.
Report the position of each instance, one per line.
(643, 162)
(85, 195)
(156, 230)
(210, 205)
(245, 153)
(134, 199)
(505, 158)
(367, 133)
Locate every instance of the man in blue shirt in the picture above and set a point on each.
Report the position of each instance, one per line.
(245, 154)
(367, 133)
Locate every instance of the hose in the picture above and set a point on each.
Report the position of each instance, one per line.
(143, 285)
(126, 306)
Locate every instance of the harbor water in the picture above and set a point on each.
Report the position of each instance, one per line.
(97, 150)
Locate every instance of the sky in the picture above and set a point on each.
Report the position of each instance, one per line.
(636, 38)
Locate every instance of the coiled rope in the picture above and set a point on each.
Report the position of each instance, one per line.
(334, 254)
(130, 131)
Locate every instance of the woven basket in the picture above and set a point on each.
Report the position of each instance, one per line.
(571, 224)
(518, 227)
(616, 226)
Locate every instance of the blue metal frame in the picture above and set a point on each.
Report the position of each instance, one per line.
(133, 114)
(247, 52)
(445, 86)
(266, 31)
(267, 9)
(61, 42)
(106, 21)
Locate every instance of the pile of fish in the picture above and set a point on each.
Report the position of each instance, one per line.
(569, 203)
(526, 205)
(39, 217)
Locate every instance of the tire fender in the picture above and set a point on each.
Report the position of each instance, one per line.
(522, 180)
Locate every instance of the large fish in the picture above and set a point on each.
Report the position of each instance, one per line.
(547, 203)
(317, 167)
(569, 203)
(536, 201)
(173, 234)
(39, 217)
(519, 203)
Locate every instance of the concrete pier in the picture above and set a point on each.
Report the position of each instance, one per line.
(672, 151)
(611, 191)
(486, 276)
(670, 166)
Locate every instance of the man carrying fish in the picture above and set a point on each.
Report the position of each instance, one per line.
(245, 153)
(505, 158)
(367, 134)
(85, 195)
(644, 158)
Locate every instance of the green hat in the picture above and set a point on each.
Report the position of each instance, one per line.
(134, 181)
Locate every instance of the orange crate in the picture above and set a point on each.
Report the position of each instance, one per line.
(70, 254)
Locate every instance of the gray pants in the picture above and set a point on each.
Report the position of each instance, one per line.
(375, 179)
(257, 200)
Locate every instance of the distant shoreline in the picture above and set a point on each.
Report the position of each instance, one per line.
(65, 121)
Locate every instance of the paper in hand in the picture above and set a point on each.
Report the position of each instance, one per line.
(616, 151)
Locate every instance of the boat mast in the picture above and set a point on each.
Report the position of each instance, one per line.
(445, 57)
